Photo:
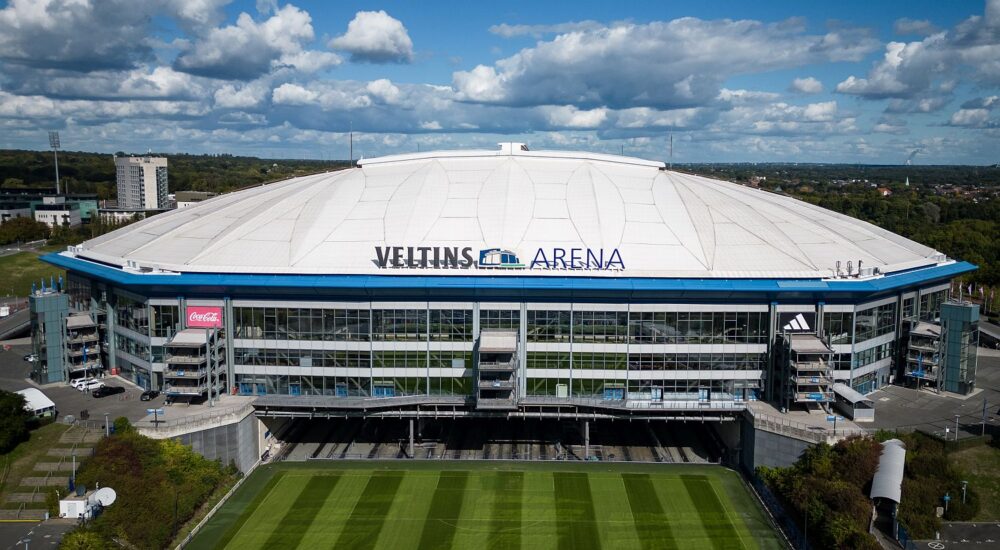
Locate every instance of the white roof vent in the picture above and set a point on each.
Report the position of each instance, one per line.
(509, 147)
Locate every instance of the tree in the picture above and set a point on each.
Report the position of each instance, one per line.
(22, 230)
(13, 420)
(85, 539)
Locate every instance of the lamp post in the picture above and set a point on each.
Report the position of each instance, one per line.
(965, 484)
(54, 144)
(956, 426)
(107, 427)
(25, 541)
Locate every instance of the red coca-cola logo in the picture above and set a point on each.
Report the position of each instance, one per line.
(204, 317)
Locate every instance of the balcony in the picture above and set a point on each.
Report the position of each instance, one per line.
(496, 384)
(82, 338)
(197, 389)
(811, 366)
(932, 347)
(814, 397)
(813, 380)
(497, 365)
(185, 374)
(88, 366)
(184, 359)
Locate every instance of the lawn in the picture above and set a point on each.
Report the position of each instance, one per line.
(440, 505)
(21, 269)
(982, 464)
(19, 463)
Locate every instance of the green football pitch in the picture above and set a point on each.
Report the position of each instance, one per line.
(496, 505)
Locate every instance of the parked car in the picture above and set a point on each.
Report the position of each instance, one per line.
(89, 386)
(105, 391)
(76, 383)
(31, 357)
(149, 395)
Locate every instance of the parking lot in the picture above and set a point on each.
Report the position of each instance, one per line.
(897, 407)
(14, 371)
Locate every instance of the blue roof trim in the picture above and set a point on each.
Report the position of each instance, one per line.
(362, 283)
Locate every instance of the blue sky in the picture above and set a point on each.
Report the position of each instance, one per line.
(847, 81)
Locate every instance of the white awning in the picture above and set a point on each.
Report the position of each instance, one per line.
(193, 337)
(808, 343)
(850, 394)
(498, 342)
(82, 320)
(36, 401)
(888, 481)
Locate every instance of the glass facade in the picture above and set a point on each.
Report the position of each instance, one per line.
(698, 327)
(875, 321)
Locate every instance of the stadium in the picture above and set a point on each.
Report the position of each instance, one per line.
(507, 282)
(507, 304)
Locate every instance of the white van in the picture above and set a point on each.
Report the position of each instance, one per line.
(92, 385)
(76, 383)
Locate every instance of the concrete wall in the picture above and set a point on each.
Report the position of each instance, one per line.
(237, 442)
(762, 448)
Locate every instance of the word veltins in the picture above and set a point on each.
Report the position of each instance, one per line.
(454, 257)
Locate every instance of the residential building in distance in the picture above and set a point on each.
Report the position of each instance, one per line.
(142, 182)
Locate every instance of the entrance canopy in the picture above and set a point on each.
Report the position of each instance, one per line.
(888, 481)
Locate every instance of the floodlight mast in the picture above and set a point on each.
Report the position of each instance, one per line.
(54, 144)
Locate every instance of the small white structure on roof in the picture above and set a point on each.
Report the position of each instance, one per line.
(37, 402)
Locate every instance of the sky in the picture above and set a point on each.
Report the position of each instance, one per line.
(873, 82)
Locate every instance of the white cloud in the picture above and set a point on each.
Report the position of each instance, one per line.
(375, 37)
(973, 118)
(309, 61)
(248, 49)
(568, 116)
(510, 31)
(673, 64)
(384, 90)
(807, 85)
(921, 27)
(293, 94)
(246, 96)
(924, 68)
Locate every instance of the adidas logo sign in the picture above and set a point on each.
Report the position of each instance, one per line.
(798, 323)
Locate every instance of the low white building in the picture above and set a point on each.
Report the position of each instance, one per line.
(55, 211)
(37, 402)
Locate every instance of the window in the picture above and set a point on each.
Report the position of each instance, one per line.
(698, 327)
(837, 326)
(165, 319)
(930, 305)
(272, 323)
(504, 319)
(874, 321)
(604, 327)
(548, 326)
(132, 314)
(451, 325)
(399, 325)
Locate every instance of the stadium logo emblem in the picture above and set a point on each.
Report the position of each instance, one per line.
(798, 323)
(498, 258)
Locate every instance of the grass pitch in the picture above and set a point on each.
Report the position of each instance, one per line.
(491, 505)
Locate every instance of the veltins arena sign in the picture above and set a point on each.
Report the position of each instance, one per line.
(454, 257)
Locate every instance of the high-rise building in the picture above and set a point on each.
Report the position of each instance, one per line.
(142, 182)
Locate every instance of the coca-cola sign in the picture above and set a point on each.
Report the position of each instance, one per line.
(204, 317)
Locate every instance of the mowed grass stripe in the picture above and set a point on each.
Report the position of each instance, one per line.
(446, 507)
(717, 524)
(505, 525)
(363, 526)
(252, 507)
(302, 512)
(651, 523)
(575, 520)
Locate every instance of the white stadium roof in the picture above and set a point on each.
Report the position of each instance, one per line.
(663, 223)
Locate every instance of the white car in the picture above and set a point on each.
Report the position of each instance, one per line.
(76, 383)
(92, 385)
